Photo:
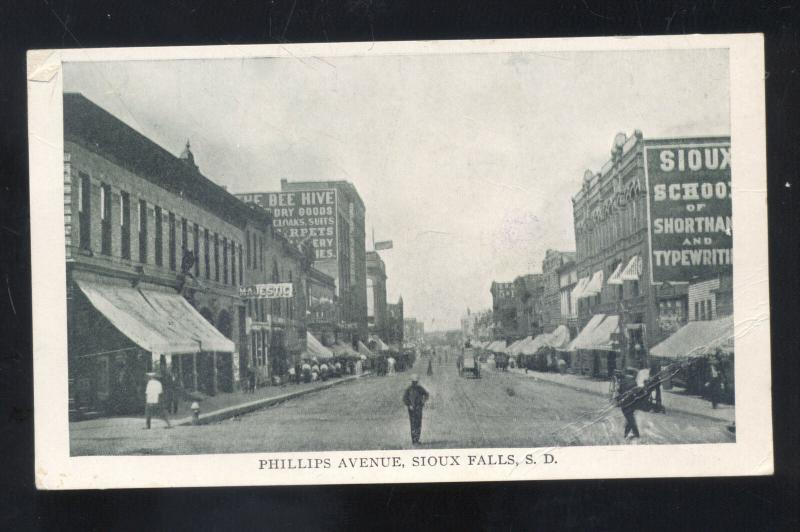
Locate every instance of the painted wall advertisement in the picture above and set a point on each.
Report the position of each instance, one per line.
(308, 216)
(689, 205)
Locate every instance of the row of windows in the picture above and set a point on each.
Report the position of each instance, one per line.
(620, 224)
(224, 249)
(703, 310)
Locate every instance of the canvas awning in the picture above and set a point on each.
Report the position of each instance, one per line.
(514, 348)
(531, 347)
(162, 323)
(633, 270)
(583, 337)
(364, 350)
(343, 350)
(697, 338)
(498, 346)
(616, 276)
(594, 286)
(315, 349)
(600, 338)
(380, 345)
(578, 290)
(559, 338)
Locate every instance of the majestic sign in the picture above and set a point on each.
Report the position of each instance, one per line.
(689, 206)
(307, 216)
(267, 291)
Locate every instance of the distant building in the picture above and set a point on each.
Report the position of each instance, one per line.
(528, 293)
(330, 216)
(394, 322)
(376, 295)
(551, 299)
(567, 280)
(413, 331)
(505, 321)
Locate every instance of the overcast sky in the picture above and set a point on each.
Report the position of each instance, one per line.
(467, 162)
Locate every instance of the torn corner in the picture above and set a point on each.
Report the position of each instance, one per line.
(40, 67)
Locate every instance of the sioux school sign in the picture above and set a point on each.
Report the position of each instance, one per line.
(689, 206)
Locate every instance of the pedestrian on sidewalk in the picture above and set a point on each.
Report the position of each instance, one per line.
(714, 382)
(430, 367)
(628, 399)
(153, 397)
(171, 392)
(414, 398)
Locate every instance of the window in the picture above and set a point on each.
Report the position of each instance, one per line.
(241, 260)
(699, 311)
(247, 237)
(159, 238)
(225, 260)
(143, 231)
(207, 253)
(634, 288)
(196, 244)
(85, 211)
(276, 309)
(216, 257)
(233, 264)
(290, 302)
(261, 252)
(171, 237)
(709, 313)
(620, 293)
(105, 219)
(125, 223)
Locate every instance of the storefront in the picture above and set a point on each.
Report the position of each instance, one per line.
(596, 347)
(118, 332)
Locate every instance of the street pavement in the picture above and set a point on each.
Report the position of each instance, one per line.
(502, 409)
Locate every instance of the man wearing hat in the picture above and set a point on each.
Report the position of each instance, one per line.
(414, 398)
(153, 393)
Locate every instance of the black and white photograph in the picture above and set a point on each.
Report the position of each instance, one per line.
(383, 262)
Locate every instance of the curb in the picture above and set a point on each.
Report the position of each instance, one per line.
(599, 394)
(244, 408)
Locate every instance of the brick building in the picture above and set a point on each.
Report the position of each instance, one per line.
(551, 298)
(505, 321)
(376, 295)
(394, 323)
(528, 293)
(612, 261)
(156, 257)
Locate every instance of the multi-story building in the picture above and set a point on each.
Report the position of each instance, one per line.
(613, 291)
(376, 295)
(394, 323)
(323, 316)
(158, 257)
(567, 279)
(551, 299)
(413, 331)
(330, 216)
(505, 322)
(528, 293)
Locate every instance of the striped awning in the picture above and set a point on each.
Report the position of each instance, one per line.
(633, 270)
(616, 276)
(594, 286)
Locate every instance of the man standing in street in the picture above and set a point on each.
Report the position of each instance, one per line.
(153, 405)
(628, 398)
(414, 398)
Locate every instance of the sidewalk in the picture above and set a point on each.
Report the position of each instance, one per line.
(224, 405)
(673, 400)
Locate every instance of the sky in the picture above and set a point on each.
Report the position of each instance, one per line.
(466, 162)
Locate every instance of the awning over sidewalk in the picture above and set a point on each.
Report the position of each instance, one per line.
(315, 349)
(633, 270)
(498, 346)
(379, 344)
(577, 292)
(364, 350)
(600, 337)
(516, 347)
(594, 286)
(697, 338)
(160, 322)
(616, 276)
(343, 350)
(583, 337)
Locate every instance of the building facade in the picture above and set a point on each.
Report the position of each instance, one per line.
(394, 323)
(567, 280)
(413, 331)
(157, 257)
(376, 295)
(612, 258)
(505, 322)
(528, 293)
(335, 227)
(551, 298)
